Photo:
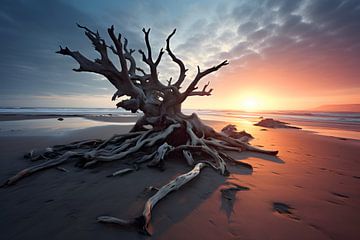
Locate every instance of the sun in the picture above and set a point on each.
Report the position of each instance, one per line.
(250, 104)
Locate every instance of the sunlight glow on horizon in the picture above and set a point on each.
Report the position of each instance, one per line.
(250, 104)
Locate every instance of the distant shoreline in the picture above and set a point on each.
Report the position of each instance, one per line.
(106, 118)
(348, 127)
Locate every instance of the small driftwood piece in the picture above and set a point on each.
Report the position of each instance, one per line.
(62, 169)
(121, 172)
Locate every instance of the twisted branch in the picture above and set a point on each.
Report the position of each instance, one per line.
(183, 70)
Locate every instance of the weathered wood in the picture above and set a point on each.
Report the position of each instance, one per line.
(48, 164)
(144, 220)
(160, 155)
(121, 172)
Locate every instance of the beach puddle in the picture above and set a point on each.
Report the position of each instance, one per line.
(51, 126)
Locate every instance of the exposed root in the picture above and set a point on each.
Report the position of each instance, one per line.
(147, 142)
(146, 158)
(235, 162)
(242, 145)
(199, 145)
(142, 222)
(48, 164)
(160, 155)
(189, 158)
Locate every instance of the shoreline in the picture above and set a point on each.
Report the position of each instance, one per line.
(340, 131)
(104, 117)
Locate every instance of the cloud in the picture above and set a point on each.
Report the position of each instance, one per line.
(317, 39)
(314, 34)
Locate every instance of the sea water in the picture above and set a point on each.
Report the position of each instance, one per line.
(340, 124)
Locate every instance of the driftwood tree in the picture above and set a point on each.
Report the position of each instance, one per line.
(163, 130)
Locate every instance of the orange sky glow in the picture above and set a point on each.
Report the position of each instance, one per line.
(277, 86)
(283, 55)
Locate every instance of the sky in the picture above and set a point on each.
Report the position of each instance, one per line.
(283, 54)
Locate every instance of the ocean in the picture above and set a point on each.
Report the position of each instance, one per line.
(350, 118)
(346, 124)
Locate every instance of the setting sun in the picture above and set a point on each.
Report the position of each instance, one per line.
(249, 104)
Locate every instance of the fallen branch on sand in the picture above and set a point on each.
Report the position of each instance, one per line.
(142, 222)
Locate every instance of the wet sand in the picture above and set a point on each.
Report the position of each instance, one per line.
(310, 191)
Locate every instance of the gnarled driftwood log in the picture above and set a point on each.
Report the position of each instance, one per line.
(170, 130)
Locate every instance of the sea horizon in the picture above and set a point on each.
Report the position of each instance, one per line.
(336, 124)
(347, 116)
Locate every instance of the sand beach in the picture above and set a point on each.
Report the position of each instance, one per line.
(310, 190)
